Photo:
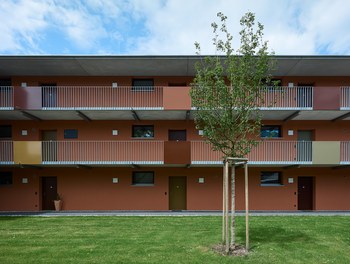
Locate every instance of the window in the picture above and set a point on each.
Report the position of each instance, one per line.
(5, 82)
(5, 178)
(5, 132)
(142, 85)
(143, 178)
(71, 133)
(143, 131)
(177, 84)
(270, 178)
(270, 132)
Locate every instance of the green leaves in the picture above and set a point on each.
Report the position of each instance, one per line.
(226, 89)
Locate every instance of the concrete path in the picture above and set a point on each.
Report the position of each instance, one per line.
(173, 213)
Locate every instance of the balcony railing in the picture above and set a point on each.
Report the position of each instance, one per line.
(287, 98)
(103, 152)
(6, 98)
(344, 152)
(266, 152)
(6, 152)
(102, 98)
(141, 98)
(345, 98)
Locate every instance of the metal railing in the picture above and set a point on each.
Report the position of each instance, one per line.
(6, 98)
(266, 152)
(103, 152)
(102, 98)
(345, 98)
(151, 98)
(6, 152)
(282, 97)
(344, 152)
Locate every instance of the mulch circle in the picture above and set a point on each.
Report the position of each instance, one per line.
(237, 251)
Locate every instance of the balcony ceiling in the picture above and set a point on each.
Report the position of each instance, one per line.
(159, 115)
(156, 65)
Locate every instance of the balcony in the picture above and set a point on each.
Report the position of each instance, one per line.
(103, 152)
(266, 153)
(345, 98)
(6, 152)
(6, 98)
(287, 98)
(150, 152)
(345, 152)
(102, 98)
(134, 98)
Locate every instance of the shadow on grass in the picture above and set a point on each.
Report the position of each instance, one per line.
(8, 218)
(278, 235)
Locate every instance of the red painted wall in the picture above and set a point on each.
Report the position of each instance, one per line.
(102, 130)
(92, 189)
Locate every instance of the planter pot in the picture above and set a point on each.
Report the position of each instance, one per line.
(58, 205)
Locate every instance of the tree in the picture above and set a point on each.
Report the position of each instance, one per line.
(227, 91)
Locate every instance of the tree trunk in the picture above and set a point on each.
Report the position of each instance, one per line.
(233, 209)
(227, 243)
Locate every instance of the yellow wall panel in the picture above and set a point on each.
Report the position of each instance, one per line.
(27, 152)
(325, 152)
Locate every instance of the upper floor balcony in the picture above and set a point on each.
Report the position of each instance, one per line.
(160, 153)
(149, 102)
(134, 98)
(6, 98)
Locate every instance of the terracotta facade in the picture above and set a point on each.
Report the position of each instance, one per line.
(95, 170)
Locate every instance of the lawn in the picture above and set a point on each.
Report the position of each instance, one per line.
(274, 239)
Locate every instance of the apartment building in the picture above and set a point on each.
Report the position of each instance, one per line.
(117, 133)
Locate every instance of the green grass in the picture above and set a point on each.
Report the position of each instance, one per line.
(275, 239)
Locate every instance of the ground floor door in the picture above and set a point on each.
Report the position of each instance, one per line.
(48, 192)
(177, 193)
(305, 193)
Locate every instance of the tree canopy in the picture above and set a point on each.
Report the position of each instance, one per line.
(227, 88)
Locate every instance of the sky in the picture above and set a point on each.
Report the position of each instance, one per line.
(168, 27)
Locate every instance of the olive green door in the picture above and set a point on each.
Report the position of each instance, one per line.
(177, 193)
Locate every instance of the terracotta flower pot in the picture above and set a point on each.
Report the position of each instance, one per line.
(58, 205)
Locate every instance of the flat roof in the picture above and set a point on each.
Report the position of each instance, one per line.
(96, 65)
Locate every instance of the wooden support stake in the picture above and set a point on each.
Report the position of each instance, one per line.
(223, 203)
(233, 206)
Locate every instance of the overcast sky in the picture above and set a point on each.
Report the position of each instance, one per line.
(168, 27)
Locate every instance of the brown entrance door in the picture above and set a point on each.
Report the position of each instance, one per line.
(49, 145)
(177, 193)
(177, 135)
(49, 192)
(305, 193)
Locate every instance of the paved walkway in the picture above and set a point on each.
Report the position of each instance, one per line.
(173, 213)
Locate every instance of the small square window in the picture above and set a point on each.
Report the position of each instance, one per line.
(143, 131)
(270, 132)
(270, 178)
(5, 178)
(5, 132)
(71, 133)
(143, 178)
